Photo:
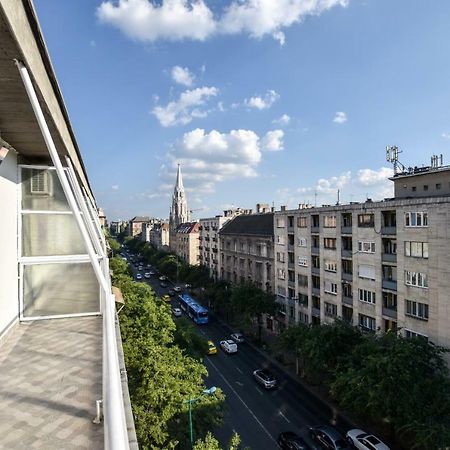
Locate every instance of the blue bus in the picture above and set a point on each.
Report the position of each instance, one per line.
(196, 312)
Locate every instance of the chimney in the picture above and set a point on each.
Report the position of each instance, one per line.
(283, 208)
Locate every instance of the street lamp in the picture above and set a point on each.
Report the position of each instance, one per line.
(209, 391)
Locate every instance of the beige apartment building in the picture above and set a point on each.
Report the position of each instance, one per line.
(186, 242)
(136, 225)
(246, 250)
(380, 265)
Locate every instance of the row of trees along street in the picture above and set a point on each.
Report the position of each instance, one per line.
(400, 386)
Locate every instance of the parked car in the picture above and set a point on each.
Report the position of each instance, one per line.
(176, 312)
(147, 275)
(187, 286)
(140, 268)
(292, 441)
(212, 349)
(328, 438)
(172, 293)
(163, 284)
(138, 276)
(228, 346)
(177, 289)
(365, 441)
(152, 273)
(165, 297)
(265, 378)
(238, 338)
(162, 278)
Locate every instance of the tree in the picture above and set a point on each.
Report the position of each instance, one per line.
(211, 443)
(187, 338)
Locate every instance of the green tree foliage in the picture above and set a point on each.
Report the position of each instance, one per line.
(118, 266)
(161, 376)
(187, 338)
(114, 246)
(211, 443)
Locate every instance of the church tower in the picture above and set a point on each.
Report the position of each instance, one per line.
(179, 212)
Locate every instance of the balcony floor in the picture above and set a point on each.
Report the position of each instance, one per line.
(50, 378)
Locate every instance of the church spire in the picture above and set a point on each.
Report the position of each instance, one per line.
(179, 183)
(179, 212)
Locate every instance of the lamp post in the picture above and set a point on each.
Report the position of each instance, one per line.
(209, 391)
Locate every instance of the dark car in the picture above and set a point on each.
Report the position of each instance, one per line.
(163, 284)
(171, 293)
(265, 378)
(292, 441)
(329, 438)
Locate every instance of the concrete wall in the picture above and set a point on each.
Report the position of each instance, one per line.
(9, 295)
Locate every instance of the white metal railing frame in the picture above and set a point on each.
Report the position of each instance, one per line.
(116, 436)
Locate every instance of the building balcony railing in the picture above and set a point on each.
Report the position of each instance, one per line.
(389, 284)
(315, 229)
(291, 265)
(389, 257)
(347, 300)
(315, 270)
(389, 230)
(389, 312)
(315, 290)
(315, 311)
(291, 284)
(346, 230)
(315, 250)
(346, 253)
(347, 276)
(291, 247)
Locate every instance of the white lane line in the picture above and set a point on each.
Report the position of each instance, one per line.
(258, 390)
(239, 383)
(242, 401)
(284, 417)
(239, 370)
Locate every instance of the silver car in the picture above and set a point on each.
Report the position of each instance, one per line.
(265, 378)
(365, 441)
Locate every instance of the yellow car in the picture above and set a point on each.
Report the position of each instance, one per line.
(212, 349)
(166, 298)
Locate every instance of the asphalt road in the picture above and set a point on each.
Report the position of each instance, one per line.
(256, 414)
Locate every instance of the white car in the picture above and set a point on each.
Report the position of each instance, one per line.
(177, 289)
(147, 275)
(238, 338)
(364, 441)
(162, 278)
(139, 276)
(228, 346)
(176, 312)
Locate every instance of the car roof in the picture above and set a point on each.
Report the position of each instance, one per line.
(332, 432)
(229, 341)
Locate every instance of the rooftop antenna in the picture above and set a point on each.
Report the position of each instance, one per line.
(315, 198)
(437, 161)
(392, 153)
(338, 195)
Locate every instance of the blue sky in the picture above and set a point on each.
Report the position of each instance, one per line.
(265, 101)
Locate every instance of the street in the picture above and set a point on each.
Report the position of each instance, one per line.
(257, 415)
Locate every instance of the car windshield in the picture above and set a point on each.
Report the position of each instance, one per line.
(373, 440)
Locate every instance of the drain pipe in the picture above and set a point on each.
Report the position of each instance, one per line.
(116, 437)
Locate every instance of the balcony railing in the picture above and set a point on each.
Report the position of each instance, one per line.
(346, 253)
(389, 284)
(389, 257)
(347, 276)
(346, 230)
(315, 270)
(389, 312)
(347, 300)
(389, 230)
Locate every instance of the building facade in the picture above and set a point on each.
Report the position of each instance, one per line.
(136, 224)
(186, 243)
(378, 265)
(179, 212)
(159, 236)
(247, 251)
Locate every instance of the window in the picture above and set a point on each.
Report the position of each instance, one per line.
(409, 334)
(416, 249)
(330, 310)
(366, 271)
(316, 302)
(290, 221)
(303, 280)
(302, 242)
(416, 219)
(40, 182)
(315, 261)
(280, 222)
(365, 220)
(347, 290)
(330, 287)
(390, 300)
(417, 310)
(281, 290)
(438, 186)
(366, 247)
(367, 322)
(366, 296)
(416, 279)
(425, 187)
(302, 222)
(281, 274)
(303, 299)
(330, 266)
(280, 257)
(280, 239)
(414, 189)
(329, 221)
(302, 261)
(329, 243)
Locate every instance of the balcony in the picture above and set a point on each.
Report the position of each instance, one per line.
(315, 250)
(389, 284)
(388, 231)
(315, 270)
(347, 300)
(291, 284)
(346, 230)
(315, 229)
(389, 257)
(346, 253)
(291, 265)
(291, 247)
(389, 312)
(315, 290)
(315, 311)
(347, 276)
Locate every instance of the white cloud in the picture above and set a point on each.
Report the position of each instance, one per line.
(340, 117)
(183, 110)
(273, 141)
(172, 20)
(115, 187)
(369, 177)
(265, 102)
(445, 135)
(182, 75)
(148, 20)
(283, 120)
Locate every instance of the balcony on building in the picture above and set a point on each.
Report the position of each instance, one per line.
(347, 247)
(290, 224)
(315, 284)
(389, 254)
(315, 223)
(389, 277)
(347, 314)
(388, 222)
(346, 223)
(347, 270)
(389, 304)
(315, 245)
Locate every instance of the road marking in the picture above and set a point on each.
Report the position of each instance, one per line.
(239, 370)
(242, 401)
(239, 383)
(284, 417)
(259, 390)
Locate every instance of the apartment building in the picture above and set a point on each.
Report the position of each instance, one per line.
(136, 225)
(60, 349)
(158, 235)
(380, 265)
(247, 250)
(186, 242)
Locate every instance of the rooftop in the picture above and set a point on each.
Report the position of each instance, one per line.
(251, 224)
